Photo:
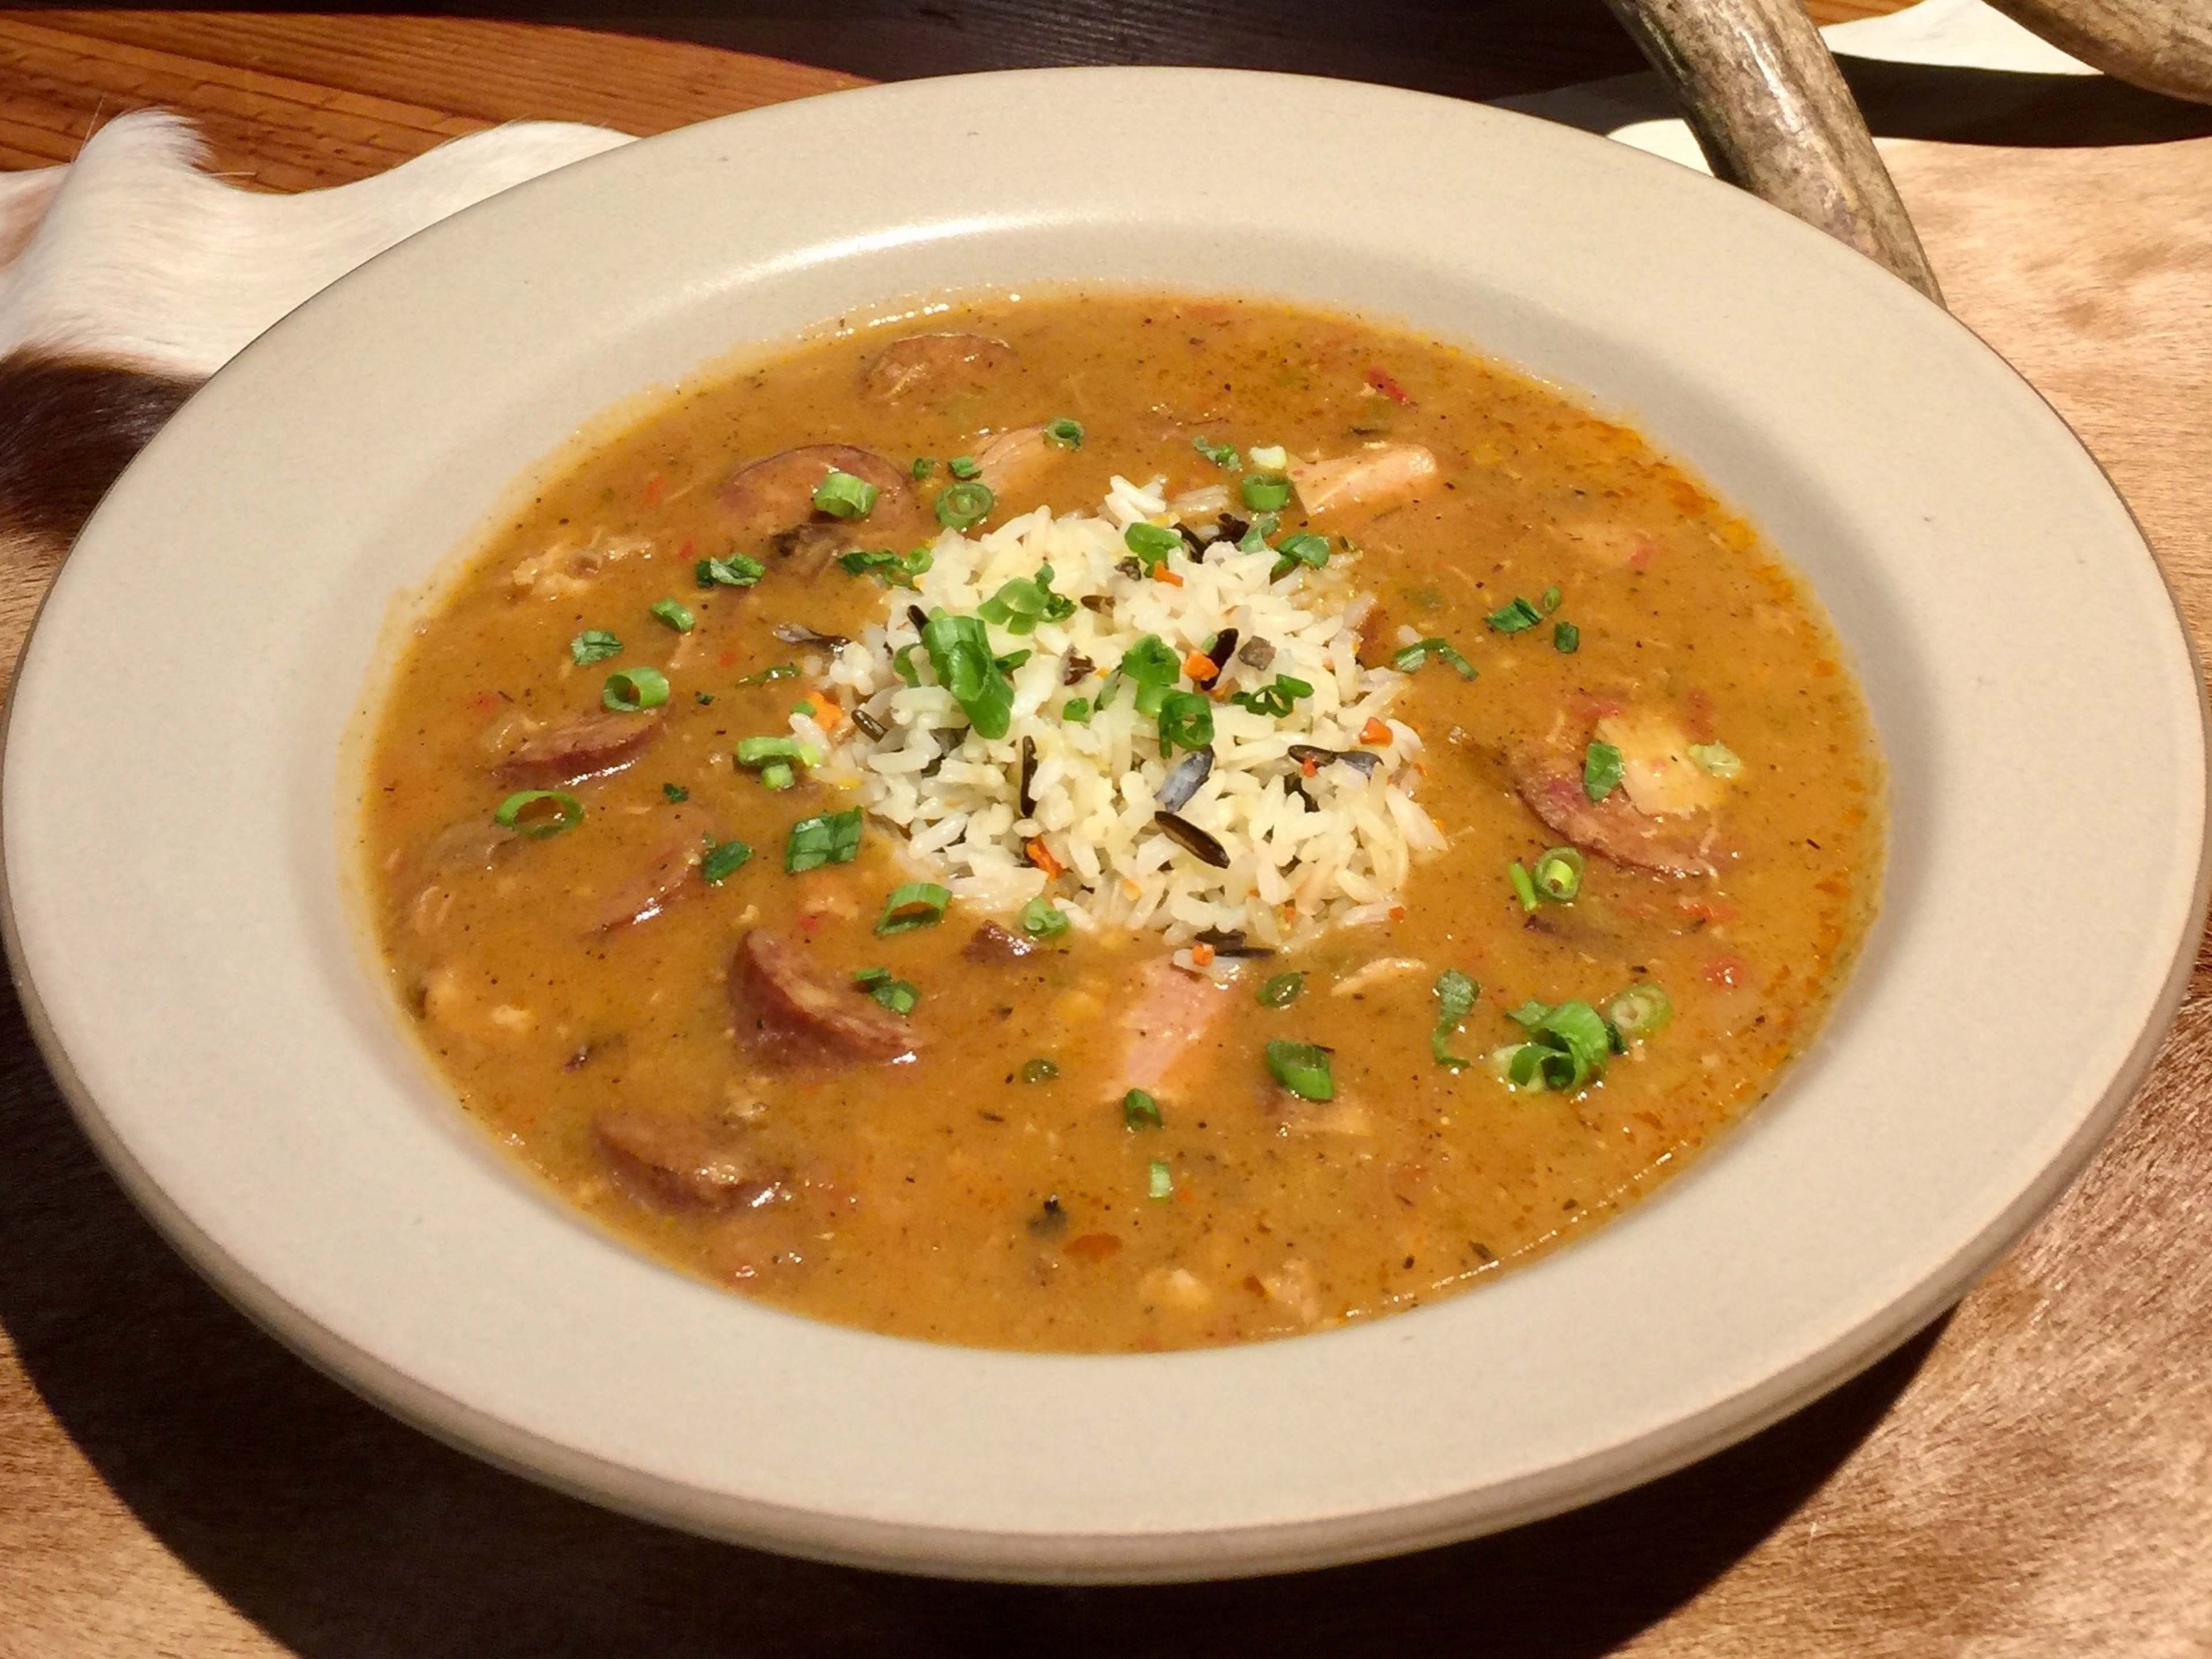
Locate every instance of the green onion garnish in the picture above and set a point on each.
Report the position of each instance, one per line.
(963, 467)
(724, 859)
(1716, 760)
(759, 752)
(592, 645)
(1566, 638)
(1223, 456)
(516, 813)
(1514, 617)
(917, 904)
(1455, 992)
(627, 690)
(1159, 1180)
(834, 838)
(1076, 711)
(1151, 543)
(1567, 1046)
(1274, 699)
(1039, 1070)
(1639, 1011)
(674, 614)
(922, 467)
(1303, 1068)
(734, 571)
(960, 505)
(960, 654)
(1186, 722)
(782, 670)
(1282, 991)
(1549, 600)
(1411, 659)
(1041, 918)
(1524, 887)
(1020, 604)
(1558, 874)
(841, 496)
(1255, 539)
(1266, 492)
(1304, 548)
(676, 792)
(1140, 1111)
(778, 775)
(896, 995)
(704, 699)
(1067, 433)
(1601, 770)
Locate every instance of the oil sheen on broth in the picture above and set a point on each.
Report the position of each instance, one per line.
(1018, 1120)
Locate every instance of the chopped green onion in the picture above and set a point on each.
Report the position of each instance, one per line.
(960, 653)
(1639, 1011)
(1303, 1068)
(1717, 760)
(1304, 548)
(1140, 1111)
(1151, 661)
(515, 813)
(1411, 658)
(1041, 918)
(1159, 1180)
(917, 904)
(1020, 604)
(1012, 661)
(1067, 433)
(860, 562)
(1559, 874)
(1223, 456)
(1549, 601)
(724, 859)
(1514, 617)
(1274, 699)
(778, 775)
(1076, 711)
(676, 792)
(1456, 994)
(674, 614)
(1151, 543)
(834, 838)
(841, 496)
(1515, 1058)
(592, 645)
(1186, 722)
(759, 752)
(922, 467)
(629, 690)
(963, 467)
(1571, 1045)
(963, 504)
(1524, 888)
(1529, 1015)
(1566, 638)
(782, 670)
(1282, 991)
(704, 699)
(898, 995)
(1039, 1070)
(1601, 766)
(1265, 492)
(734, 571)
(1255, 539)
(902, 665)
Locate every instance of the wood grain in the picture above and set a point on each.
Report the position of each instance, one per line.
(2033, 1478)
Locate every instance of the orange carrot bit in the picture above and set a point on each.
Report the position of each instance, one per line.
(822, 711)
(1041, 855)
(1374, 731)
(1200, 667)
(1164, 574)
(1397, 913)
(1310, 767)
(653, 486)
(1201, 955)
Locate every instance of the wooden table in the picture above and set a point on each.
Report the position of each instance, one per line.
(2032, 1477)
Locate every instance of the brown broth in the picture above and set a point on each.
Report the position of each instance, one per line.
(948, 1199)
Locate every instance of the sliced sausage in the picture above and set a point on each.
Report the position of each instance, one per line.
(1366, 482)
(1550, 782)
(684, 1164)
(680, 841)
(776, 493)
(993, 945)
(788, 1014)
(931, 367)
(585, 747)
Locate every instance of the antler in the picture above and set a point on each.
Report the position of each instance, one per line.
(2164, 46)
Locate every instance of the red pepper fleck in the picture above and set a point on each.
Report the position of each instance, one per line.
(1726, 973)
(1384, 382)
(653, 486)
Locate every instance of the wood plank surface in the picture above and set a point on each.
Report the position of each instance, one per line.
(2032, 1477)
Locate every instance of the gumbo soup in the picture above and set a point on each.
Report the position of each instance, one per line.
(1108, 821)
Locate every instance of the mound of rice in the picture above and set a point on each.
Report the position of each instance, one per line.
(1304, 853)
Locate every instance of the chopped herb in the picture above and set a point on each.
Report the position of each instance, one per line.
(1549, 600)
(1303, 1068)
(1041, 918)
(1274, 699)
(834, 838)
(1566, 638)
(704, 699)
(841, 496)
(1559, 874)
(1076, 711)
(1159, 1181)
(896, 995)
(1414, 657)
(922, 467)
(1186, 722)
(1601, 770)
(777, 775)
(676, 792)
(538, 813)
(1567, 1046)
(917, 904)
(1304, 548)
(1223, 456)
(1039, 1070)
(1254, 539)
(1455, 992)
(674, 614)
(1154, 668)
(1282, 991)
(592, 645)
(759, 752)
(961, 504)
(963, 466)
(1265, 492)
(1067, 433)
(903, 664)
(630, 691)
(1524, 886)
(1140, 1111)
(1020, 604)
(1151, 543)
(724, 859)
(1514, 617)
(1639, 1011)
(782, 670)
(960, 654)
(1715, 759)
(734, 571)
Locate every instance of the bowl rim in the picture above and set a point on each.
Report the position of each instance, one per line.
(51, 933)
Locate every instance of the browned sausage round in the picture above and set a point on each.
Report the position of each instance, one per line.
(929, 366)
(776, 493)
(788, 1016)
(681, 1163)
(682, 835)
(1550, 783)
(584, 747)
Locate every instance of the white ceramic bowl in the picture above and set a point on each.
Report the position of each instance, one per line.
(172, 797)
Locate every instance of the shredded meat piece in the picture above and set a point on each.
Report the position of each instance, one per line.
(1173, 1013)
(585, 747)
(1366, 483)
(680, 1164)
(931, 367)
(788, 1016)
(665, 875)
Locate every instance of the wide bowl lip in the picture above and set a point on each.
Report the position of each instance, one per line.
(1205, 1552)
